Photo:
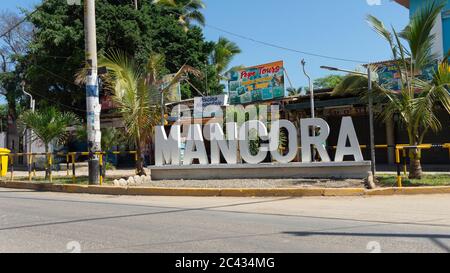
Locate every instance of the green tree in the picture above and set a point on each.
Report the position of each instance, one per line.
(48, 125)
(188, 11)
(294, 91)
(56, 51)
(13, 45)
(137, 92)
(110, 137)
(330, 81)
(223, 53)
(416, 101)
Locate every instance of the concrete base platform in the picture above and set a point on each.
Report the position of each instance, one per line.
(319, 170)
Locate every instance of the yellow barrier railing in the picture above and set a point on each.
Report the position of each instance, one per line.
(70, 159)
(404, 148)
(401, 154)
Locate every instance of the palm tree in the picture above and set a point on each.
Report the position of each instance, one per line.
(415, 102)
(223, 53)
(48, 125)
(137, 92)
(130, 92)
(292, 91)
(189, 11)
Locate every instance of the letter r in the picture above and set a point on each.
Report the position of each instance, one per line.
(318, 141)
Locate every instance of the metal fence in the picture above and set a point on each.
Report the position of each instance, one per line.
(70, 162)
(401, 160)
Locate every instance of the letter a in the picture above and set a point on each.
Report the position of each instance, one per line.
(348, 131)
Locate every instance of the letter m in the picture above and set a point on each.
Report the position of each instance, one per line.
(167, 149)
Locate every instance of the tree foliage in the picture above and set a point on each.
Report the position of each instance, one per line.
(416, 102)
(137, 91)
(13, 45)
(188, 11)
(223, 53)
(57, 50)
(48, 124)
(330, 81)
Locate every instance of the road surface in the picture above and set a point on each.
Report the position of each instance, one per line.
(57, 222)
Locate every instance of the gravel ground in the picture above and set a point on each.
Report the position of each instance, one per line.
(258, 183)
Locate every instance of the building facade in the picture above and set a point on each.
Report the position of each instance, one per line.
(442, 27)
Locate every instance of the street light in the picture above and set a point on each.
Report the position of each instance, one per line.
(30, 131)
(311, 90)
(311, 99)
(371, 128)
(32, 101)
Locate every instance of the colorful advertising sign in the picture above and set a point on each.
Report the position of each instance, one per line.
(257, 83)
(390, 78)
(201, 105)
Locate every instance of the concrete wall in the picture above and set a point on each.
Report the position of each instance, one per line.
(446, 28)
(361, 124)
(339, 170)
(435, 156)
(442, 28)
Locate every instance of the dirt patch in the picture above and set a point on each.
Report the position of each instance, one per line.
(258, 183)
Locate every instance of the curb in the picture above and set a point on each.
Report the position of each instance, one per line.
(282, 192)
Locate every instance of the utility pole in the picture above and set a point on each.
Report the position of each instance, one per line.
(92, 93)
(371, 125)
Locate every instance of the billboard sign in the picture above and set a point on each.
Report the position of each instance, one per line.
(390, 78)
(205, 107)
(257, 83)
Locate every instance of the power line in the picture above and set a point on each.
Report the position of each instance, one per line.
(285, 48)
(62, 78)
(57, 102)
(278, 46)
(230, 33)
(56, 75)
(20, 22)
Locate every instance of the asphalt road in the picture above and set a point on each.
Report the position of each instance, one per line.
(56, 222)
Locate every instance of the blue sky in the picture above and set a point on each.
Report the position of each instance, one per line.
(326, 27)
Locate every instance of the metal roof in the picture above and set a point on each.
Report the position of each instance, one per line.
(404, 3)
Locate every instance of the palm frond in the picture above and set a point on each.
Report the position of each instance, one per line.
(189, 11)
(352, 84)
(379, 27)
(48, 124)
(224, 51)
(419, 35)
(196, 16)
(155, 64)
(169, 3)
